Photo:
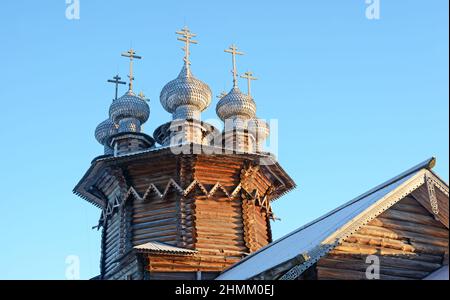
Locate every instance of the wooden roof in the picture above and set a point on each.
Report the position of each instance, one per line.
(300, 249)
(162, 248)
(84, 187)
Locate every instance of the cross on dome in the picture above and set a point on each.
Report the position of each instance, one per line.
(131, 54)
(116, 81)
(249, 76)
(234, 51)
(186, 37)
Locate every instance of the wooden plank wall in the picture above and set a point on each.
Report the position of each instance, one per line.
(255, 226)
(111, 250)
(155, 220)
(182, 276)
(157, 171)
(219, 222)
(408, 240)
(213, 226)
(130, 268)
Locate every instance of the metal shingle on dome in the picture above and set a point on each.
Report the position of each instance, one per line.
(128, 109)
(104, 130)
(236, 104)
(186, 96)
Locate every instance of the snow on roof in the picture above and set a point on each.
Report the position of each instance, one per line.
(439, 274)
(316, 235)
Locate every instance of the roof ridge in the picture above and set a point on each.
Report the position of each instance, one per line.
(427, 164)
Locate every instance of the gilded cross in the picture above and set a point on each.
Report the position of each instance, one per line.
(233, 50)
(249, 76)
(116, 81)
(132, 55)
(186, 37)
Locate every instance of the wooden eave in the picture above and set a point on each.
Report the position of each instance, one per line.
(284, 182)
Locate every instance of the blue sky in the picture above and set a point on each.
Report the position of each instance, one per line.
(358, 101)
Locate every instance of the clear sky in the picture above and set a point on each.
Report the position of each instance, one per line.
(358, 101)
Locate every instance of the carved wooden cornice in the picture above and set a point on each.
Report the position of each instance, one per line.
(152, 191)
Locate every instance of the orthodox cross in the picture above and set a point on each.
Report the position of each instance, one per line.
(116, 81)
(186, 37)
(233, 50)
(132, 55)
(221, 95)
(249, 76)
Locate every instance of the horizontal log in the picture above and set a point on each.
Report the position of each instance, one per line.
(409, 201)
(226, 252)
(154, 234)
(353, 248)
(328, 273)
(220, 247)
(218, 242)
(429, 249)
(184, 269)
(112, 237)
(402, 234)
(411, 262)
(165, 239)
(417, 208)
(383, 242)
(434, 259)
(147, 232)
(163, 222)
(362, 267)
(206, 230)
(410, 217)
(148, 212)
(138, 222)
(408, 226)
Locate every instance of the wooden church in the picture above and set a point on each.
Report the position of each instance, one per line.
(192, 202)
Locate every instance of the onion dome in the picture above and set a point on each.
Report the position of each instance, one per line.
(186, 96)
(236, 105)
(129, 112)
(104, 130)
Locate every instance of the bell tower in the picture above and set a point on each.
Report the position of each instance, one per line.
(196, 203)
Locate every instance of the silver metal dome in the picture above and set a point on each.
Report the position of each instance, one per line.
(236, 104)
(104, 130)
(186, 96)
(130, 112)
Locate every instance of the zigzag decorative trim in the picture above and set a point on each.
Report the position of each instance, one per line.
(336, 239)
(262, 201)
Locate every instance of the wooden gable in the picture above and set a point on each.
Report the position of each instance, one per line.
(408, 240)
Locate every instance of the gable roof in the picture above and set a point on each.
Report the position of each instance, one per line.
(301, 248)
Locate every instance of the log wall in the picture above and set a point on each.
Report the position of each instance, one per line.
(111, 249)
(222, 229)
(408, 240)
(155, 220)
